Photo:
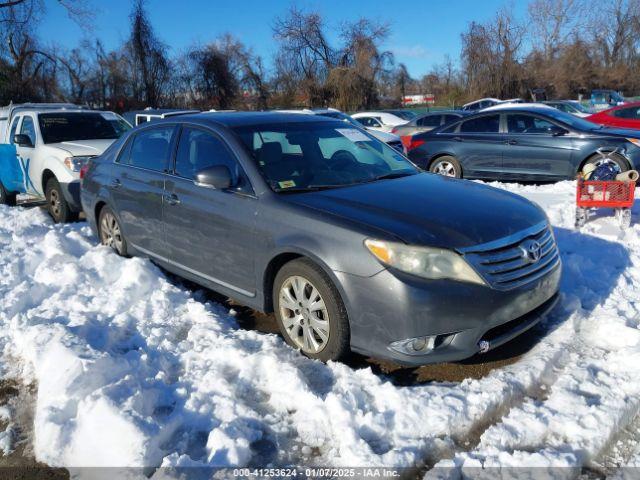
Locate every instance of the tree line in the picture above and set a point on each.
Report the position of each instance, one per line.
(566, 47)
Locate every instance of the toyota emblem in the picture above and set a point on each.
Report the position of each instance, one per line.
(530, 250)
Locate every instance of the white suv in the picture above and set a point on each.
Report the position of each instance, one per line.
(51, 146)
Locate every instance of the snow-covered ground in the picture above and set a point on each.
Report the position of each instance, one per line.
(134, 370)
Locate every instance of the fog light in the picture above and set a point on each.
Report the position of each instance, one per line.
(415, 346)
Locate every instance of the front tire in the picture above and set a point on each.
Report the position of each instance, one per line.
(6, 198)
(57, 204)
(446, 166)
(110, 232)
(620, 162)
(310, 312)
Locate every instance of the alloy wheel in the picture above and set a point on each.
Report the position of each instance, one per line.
(55, 206)
(304, 314)
(110, 234)
(445, 168)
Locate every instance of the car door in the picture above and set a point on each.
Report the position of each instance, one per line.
(478, 145)
(536, 149)
(27, 156)
(210, 232)
(137, 187)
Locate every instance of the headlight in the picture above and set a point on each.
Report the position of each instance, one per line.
(635, 141)
(76, 163)
(425, 262)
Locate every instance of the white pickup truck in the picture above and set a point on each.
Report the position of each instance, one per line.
(44, 146)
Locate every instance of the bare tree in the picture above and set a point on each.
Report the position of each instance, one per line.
(148, 56)
(552, 23)
(491, 56)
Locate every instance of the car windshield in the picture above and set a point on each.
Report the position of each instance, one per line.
(571, 120)
(341, 116)
(68, 127)
(579, 107)
(313, 156)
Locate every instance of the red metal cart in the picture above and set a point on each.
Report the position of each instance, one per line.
(604, 194)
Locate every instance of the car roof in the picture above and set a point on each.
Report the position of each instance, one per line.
(64, 110)
(530, 107)
(482, 100)
(237, 119)
(444, 112)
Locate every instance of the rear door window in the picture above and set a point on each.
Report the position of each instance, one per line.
(429, 121)
(449, 119)
(150, 149)
(485, 124)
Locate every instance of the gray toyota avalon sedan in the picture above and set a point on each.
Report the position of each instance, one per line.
(341, 236)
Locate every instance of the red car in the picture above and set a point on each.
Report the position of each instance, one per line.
(622, 116)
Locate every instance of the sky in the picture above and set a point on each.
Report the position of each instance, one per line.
(422, 34)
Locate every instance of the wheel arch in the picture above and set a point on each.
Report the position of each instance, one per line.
(47, 174)
(607, 150)
(281, 258)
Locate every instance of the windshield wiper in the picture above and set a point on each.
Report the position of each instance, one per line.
(393, 175)
(309, 188)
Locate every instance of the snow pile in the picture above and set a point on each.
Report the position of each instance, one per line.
(133, 370)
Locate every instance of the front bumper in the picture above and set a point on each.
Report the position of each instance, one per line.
(392, 306)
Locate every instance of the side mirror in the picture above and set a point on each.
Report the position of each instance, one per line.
(558, 131)
(22, 140)
(217, 177)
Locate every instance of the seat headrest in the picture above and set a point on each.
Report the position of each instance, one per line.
(270, 152)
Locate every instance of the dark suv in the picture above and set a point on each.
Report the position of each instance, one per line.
(340, 235)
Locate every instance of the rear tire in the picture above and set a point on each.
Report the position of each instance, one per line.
(310, 312)
(446, 166)
(6, 198)
(57, 204)
(110, 232)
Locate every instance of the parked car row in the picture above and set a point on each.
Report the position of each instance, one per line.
(314, 218)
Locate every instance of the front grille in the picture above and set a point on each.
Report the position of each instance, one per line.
(511, 262)
(396, 145)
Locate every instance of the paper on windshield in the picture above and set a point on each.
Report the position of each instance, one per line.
(354, 134)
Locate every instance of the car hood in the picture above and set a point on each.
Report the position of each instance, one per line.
(384, 136)
(428, 209)
(616, 132)
(83, 147)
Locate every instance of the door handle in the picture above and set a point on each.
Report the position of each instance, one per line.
(457, 139)
(116, 183)
(172, 199)
(511, 142)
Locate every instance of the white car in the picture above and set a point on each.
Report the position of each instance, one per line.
(52, 145)
(381, 121)
(389, 138)
(481, 104)
(507, 105)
